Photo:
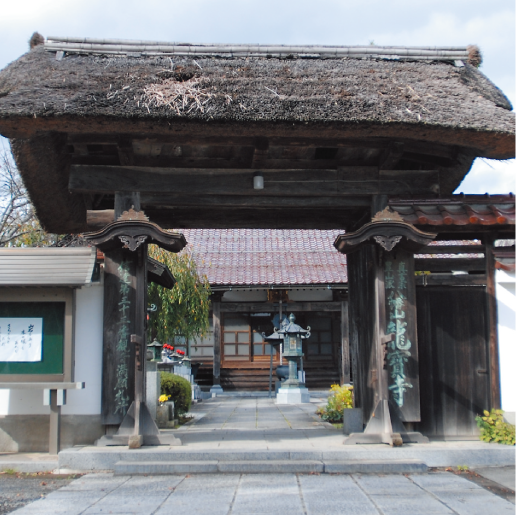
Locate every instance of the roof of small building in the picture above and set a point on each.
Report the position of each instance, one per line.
(398, 89)
(267, 257)
(458, 210)
(48, 266)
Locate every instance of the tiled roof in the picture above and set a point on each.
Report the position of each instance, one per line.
(267, 256)
(462, 210)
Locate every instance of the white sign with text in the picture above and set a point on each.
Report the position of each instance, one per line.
(21, 339)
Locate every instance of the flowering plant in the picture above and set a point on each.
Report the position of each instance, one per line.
(340, 398)
(162, 399)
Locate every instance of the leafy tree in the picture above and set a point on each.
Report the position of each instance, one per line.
(19, 226)
(182, 311)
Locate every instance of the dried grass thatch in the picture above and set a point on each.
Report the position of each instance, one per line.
(35, 40)
(411, 96)
(179, 96)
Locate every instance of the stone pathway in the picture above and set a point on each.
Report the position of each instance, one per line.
(230, 422)
(439, 493)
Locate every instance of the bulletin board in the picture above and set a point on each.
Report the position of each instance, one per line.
(49, 311)
(27, 354)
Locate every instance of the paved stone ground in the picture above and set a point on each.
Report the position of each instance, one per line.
(231, 422)
(245, 494)
(18, 489)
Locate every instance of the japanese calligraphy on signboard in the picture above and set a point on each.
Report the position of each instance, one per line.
(21, 339)
(402, 352)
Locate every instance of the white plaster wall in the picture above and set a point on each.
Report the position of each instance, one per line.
(88, 364)
(297, 295)
(88, 352)
(506, 307)
(312, 295)
(245, 296)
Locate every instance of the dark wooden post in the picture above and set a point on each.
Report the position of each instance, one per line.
(119, 323)
(216, 317)
(124, 243)
(491, 306)
(383, 326)
(120, 320)
(345, 348)
(401, 354)
(379, 202)
(125, 200)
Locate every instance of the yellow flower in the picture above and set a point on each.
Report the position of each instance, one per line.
(163, 398)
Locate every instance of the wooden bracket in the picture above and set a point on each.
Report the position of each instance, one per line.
(137, 341)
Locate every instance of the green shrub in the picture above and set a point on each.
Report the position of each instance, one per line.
(495, 429)
(340, 399)
(179, 390)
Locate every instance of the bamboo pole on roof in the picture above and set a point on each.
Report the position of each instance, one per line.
(122, 47)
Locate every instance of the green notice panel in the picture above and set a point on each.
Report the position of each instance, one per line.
(53, 315)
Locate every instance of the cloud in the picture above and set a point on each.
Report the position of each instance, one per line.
(491, 25)
(490, 176)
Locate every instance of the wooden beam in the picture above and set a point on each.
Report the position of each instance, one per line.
(100, 218)
(420, 147)
(263, 307)
(493, 344)
(107, 179)
(450, 264)
(391, 157)
(450, 280)
(454, 249)
(171, 200)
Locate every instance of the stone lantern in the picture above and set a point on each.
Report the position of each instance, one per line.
(291, 392)
(154, 351)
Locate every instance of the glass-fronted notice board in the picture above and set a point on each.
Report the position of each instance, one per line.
(32, 337)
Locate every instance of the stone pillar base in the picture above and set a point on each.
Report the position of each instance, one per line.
(293, 396)
(216, 390)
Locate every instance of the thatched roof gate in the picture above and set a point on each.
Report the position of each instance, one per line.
(188, 126)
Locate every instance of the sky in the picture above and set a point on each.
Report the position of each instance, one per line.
(488, 24)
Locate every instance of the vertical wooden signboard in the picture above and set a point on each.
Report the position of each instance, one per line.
(119, 323)
(401, 357)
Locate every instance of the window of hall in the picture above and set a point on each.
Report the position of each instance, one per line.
(242, 337)
(324, 332)
(236, 337)
(203, 346)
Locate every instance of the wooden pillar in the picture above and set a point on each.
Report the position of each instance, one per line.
(216, 315)
(119, 323)
(125, 200)
(379, 202)
(401, 354)
(491, 306)
(345, 349)
(363, 339)
(140, 349)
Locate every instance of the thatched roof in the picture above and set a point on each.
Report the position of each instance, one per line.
(378, 91)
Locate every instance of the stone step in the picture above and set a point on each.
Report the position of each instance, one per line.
(132, 468)
(434, 455)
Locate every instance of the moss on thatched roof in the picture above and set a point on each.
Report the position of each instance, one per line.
(420, 94)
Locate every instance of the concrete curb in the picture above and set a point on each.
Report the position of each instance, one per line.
(132, 468)
(29, 467)
(89, 459)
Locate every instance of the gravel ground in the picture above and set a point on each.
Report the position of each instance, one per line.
(18, 489)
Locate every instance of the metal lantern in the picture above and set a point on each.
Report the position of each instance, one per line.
(156, 348)
(292, 335)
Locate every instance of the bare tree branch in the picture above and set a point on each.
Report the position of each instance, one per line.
(19, 225)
